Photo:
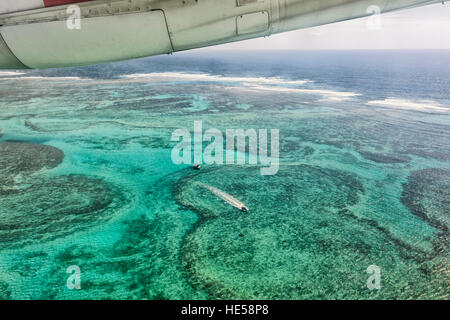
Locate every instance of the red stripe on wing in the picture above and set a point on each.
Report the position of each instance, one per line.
(51, 3)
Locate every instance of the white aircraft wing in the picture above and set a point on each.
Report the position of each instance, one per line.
(61, 33)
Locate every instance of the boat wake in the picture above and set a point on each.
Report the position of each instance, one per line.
(225, 196)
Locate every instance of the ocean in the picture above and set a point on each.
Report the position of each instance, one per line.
(93, 206)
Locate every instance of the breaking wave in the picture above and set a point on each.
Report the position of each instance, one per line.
(216, 78)
(329, 94)
(11, 73)
(421, 106)
(42, 78)
(275, 84)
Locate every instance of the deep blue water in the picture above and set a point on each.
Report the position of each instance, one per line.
(377, 74)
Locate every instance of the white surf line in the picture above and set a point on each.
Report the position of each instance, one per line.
(215, 78)
(225, 196)
(330, 94)
(275, 84)
(10, 73)
(40, 78)
(421, 106)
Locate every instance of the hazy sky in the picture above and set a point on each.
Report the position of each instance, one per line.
(419, 28)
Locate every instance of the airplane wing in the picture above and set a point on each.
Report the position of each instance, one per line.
(62, 33)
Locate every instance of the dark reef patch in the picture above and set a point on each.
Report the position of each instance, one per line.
(384, 158)
(300, 239)
(52, 208)
(35, 208)
(21, 159)
(427, 195)
(288, 189)
(5, 293)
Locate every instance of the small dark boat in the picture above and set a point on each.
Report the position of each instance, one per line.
(244, 209)
(196, 166)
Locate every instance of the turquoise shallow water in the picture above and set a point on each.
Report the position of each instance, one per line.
(87, 179)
